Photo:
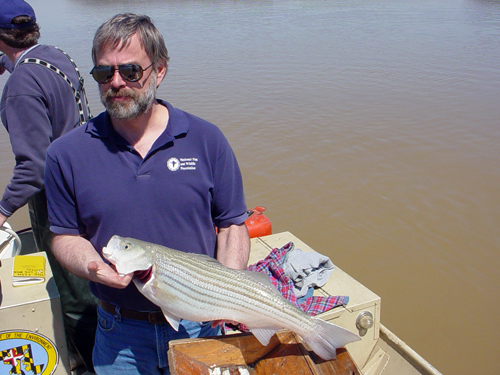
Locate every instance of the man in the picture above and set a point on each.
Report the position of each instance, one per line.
(38, 105)
(146, 170)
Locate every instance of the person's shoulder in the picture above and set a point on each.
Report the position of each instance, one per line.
(23, 71)
(45, 53)
(179, 115)
(80, 138)
(24, 82)
(73, 139)
(197, 123)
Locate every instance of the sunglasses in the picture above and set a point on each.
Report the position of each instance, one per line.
(129, 72)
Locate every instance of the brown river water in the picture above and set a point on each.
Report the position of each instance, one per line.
(369, 129)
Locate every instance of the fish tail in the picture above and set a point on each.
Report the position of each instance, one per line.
(327, 337)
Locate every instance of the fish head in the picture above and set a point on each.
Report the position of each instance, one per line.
(128, 254)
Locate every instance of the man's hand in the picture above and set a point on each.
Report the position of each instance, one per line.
(78, 256)
(103, 273)
(3, 219)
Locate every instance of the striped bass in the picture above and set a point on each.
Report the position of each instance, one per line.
(198, 288)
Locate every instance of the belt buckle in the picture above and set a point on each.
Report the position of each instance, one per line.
(156, 317)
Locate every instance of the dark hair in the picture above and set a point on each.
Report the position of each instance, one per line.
(22, 37)
(117, 32)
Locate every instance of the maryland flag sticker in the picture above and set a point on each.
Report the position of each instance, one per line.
(25, 352)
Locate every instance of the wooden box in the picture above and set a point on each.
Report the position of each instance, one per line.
(242, 354)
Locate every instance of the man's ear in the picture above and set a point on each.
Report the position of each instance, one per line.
(161, 73)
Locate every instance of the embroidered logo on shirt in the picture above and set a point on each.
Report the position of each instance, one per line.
(173, 164)
(184, 164)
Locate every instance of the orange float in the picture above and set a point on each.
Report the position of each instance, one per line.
(258, 225)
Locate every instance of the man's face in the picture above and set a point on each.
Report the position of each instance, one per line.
(124, 99)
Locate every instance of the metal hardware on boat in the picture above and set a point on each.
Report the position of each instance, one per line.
(364, 322)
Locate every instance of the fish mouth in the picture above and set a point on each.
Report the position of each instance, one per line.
(110, 249)
(106, 252)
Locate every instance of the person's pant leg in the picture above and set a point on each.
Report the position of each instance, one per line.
(187, 329)
(126, 346)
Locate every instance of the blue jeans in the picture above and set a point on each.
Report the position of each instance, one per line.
(127, 346)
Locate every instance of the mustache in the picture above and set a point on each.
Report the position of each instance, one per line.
(112, 93)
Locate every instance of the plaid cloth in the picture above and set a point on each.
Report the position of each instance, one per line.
(272, 266)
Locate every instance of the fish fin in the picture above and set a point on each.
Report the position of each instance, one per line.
(204, 258)
(327, 337)
(260, 277)
(174, 321)
(263, 279)
(263, 334)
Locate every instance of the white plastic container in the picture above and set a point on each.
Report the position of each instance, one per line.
(10, 243)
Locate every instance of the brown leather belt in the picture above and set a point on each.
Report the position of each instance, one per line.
(153, 317)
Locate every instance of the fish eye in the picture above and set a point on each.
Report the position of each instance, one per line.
(127, 246)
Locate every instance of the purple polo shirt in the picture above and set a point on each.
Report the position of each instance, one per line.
(98, 186)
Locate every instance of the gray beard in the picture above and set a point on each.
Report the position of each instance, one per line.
(139, 104)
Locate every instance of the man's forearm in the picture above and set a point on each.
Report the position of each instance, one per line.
(233, 246)
(74, 253)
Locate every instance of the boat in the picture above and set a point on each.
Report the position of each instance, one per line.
(31, 316)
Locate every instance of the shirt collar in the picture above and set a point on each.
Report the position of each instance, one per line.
(178, 124)
(21, 56)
